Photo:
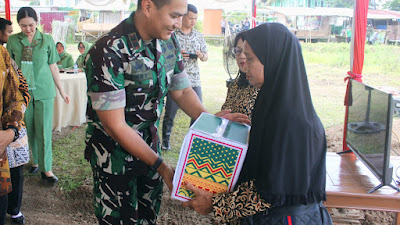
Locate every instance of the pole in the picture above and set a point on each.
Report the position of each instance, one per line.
(253, 13)
(8, 9)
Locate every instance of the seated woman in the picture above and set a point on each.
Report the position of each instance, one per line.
(66, 60)
(283, 177)
(83, 48)
(241, 94)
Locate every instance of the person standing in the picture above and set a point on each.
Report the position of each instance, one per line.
(283, 177)
(17, 151)
(223, 25)
(241, 95)
(11, 115)
(35, 53)
(129, 72)
(348, 35)
(246, 24)
(194, 48)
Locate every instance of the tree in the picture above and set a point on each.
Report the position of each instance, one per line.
(392, 5)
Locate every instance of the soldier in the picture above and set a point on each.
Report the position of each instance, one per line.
(129, 72)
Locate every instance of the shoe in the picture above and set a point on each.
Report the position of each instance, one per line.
(18, 220)
(52, 179)
(165, 145)
(34, 169)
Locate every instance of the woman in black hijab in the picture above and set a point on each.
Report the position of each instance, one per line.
(283, 176)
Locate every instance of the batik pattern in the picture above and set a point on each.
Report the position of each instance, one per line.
(192, 42)
(233, 206)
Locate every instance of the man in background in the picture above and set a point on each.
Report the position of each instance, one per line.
(194, 48)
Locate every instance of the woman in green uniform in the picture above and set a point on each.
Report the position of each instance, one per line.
(66, 60)
(83, 48)
(36, 55)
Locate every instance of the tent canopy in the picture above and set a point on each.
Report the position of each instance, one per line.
(103, 5)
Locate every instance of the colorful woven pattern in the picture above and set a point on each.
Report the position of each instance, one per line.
(209, 166)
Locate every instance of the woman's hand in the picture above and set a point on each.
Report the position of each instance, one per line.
(202, 203)
(6, 137)
(235, 117)
(65, 97)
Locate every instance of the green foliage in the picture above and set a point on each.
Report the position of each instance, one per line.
(236, 17)
(392, 5)
(35, 3)
(132, 7)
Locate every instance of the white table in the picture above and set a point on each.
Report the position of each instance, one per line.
(72, 114)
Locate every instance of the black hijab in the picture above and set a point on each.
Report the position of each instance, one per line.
(287, 145)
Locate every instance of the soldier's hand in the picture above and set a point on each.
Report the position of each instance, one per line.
(167, 173)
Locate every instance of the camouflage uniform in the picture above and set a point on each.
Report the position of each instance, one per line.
(125, 72)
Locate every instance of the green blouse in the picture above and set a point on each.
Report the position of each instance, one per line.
(66, 60)
(44, 54)
(81, 59)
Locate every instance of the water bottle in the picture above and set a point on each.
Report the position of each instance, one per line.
(75, 68)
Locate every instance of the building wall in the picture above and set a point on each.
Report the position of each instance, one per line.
(211, 22)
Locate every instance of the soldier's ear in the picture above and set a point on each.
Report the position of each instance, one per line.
(147, 7)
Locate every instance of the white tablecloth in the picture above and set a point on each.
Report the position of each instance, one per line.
(72, 114)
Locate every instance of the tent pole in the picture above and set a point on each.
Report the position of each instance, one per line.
(8, 9)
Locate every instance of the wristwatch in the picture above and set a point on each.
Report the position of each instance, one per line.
(15, 129)
(157, 164)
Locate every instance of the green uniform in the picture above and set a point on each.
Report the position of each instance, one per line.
(66, 60)
(34, 60)
(81, 59)
(123, 71)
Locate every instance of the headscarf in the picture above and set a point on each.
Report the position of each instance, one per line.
(81, 59)
(62, 55)
(287, 146)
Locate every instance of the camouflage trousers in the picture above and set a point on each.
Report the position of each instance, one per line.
(127, 199)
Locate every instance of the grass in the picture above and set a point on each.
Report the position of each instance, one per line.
(327, 64)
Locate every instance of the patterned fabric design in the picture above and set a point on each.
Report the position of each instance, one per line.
(23, 85)
(11, 100)
(192, 42)
(18, 151)
(240, 99)
(5, 176)
(243, 202)
(121, 200)
(209, 166)
(123, 71)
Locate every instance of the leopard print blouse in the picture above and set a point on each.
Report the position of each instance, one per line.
(240, 99)
(232, 207)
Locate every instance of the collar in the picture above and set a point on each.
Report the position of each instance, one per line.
(182, 33)
(36, 39)
(135, 40)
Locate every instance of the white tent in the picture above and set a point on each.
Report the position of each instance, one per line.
(228, 5)
(104, 5)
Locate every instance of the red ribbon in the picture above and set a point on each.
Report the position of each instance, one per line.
(354, 76)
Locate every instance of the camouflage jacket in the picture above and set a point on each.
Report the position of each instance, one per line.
(125, 72)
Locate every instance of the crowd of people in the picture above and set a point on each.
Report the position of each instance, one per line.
(145, 64)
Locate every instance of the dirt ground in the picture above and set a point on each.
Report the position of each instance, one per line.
(49, 205)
